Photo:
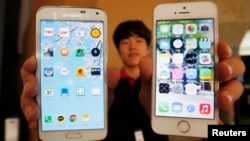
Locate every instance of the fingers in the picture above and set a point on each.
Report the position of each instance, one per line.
(28, 103)
(146, 68)
(29, 66)
(229, 92)
(224, 50)
(113, 77)
(230, 68)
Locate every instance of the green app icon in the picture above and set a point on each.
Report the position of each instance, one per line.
(80, 52)
(163, 107)
(48, 119)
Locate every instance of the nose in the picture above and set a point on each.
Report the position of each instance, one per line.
(132, 44)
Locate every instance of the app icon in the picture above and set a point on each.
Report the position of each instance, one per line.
(95, 71)
(205, 43)
(177, 88)
(205, 74)
(97, 117)
(191, 73)
(164, 73)
(191, 28)
(64, 92)
(177, 58)
(191, 43)
(191, 58)
(48, 119)
(48, 32)
(48, 72)
(204, 28)
(64, 71)
(177, 43)
(206, 85)
(191, 89)
(177, 73)
(85, 117)
(60, 118)
(48, 51)
(164, 29)
(163, 107)
(64, 32)
(164, 43)
(177, 29)
(49, 92)
(96, 91)
(177, 107)
(80, 91)
(80, 52)
(205, 58)
(164, 88)
(205, 108)
(190, 108)
(95, 52)
(80, 71)
(164, 58)
(73, 118)
(64, 51)
(95, 32)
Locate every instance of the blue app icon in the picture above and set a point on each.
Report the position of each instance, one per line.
(190, 108)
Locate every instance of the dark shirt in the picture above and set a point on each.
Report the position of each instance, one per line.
(126, 114)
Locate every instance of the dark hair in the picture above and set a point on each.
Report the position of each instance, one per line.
(128, 28)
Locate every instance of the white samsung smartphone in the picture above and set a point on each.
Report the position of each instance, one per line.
(184, 84)
(71, 51)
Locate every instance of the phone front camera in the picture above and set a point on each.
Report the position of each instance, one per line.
(184, 7)
(97, 13)
(82, 11)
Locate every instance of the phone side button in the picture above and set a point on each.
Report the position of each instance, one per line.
(73, 135)
(183, 126)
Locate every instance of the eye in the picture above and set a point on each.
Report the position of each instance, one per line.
(124, 42)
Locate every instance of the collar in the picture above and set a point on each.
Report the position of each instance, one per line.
(124, 75)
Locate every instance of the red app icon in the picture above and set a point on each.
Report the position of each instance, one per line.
(205, 108)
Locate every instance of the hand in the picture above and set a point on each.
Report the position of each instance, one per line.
(28, 103)
(228, 69)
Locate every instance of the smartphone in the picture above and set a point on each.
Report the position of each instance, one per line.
(71, 51)
(185, 37)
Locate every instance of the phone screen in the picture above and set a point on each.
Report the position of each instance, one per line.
(72, 75)
(185, 64)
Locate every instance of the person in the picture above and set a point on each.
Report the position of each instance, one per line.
(129, 90)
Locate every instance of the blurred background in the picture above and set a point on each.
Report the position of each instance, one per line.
(17, 27)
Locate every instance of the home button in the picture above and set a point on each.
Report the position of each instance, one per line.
(73, 135)
(183, 126)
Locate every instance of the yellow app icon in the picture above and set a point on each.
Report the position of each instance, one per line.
(95, 33)
(80, 71)
(85, 117)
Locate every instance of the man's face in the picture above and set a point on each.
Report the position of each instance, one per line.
(132, 49)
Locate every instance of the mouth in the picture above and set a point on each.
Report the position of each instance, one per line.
(133, 54)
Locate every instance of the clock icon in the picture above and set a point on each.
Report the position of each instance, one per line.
(64, 71)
